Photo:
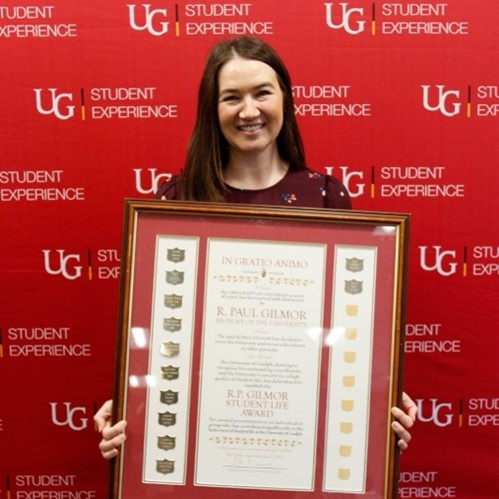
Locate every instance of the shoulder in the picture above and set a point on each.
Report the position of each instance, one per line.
(336, 194)
(169, 189)
(316, 189)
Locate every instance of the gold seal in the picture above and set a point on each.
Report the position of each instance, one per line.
(345, 450)
(353, 287)
(173, 301)
(170, 349)
(348, 381)
(347, 405)
(169, 397)
(343, 473)
(346, 427)
(172, 324)
(175, 255)
(354, 264)
(350, 333)
(169, 372)
(349, 357)
(167, 418)
(352, 310)
(174, 277)
(166, 443)
(165, 466)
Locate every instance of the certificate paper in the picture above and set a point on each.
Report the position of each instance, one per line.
(257, 423)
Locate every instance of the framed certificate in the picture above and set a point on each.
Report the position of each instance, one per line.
(258, 351)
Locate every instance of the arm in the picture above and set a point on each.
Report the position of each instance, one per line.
(337, 196)
(405, 419)
(112, 435)
(169, 189)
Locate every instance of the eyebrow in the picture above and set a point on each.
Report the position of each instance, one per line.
(257, 87)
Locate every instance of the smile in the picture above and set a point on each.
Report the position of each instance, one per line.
(251, 128)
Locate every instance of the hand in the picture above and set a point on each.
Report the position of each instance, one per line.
(406, 418)
(112, 435)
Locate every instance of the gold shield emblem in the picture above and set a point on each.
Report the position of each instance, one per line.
(347, 405)
(166, 442)
(348, 381)
(172, 324)
(174, 277)
(346, 427)
(353, 287)
(349, 357)
(354, 265)
(169, 397)
(165, 466)
(173, 301)
(352, 310)
(167, 418)
(344, 473)
(345, 450)
(169, 372)
(170, 349)
(350, 333)
(175, 255)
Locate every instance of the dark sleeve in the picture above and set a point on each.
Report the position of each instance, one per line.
(337, 195)
(170, 189)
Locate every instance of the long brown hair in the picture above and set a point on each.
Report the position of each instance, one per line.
(207, 152)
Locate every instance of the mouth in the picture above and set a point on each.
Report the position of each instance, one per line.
(251, 128)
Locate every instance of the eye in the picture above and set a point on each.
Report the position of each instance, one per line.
(263, 93)
(229, 98)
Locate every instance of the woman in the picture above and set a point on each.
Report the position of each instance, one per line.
(246, 148)
(253, 152)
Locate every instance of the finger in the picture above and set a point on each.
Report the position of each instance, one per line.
(100, 422)
(109, 432)
(404, 418)
(106, 445)
(402, 434)
(103, 415)
(402, 445)
(109, 448)
(110, 454)
(409, 405)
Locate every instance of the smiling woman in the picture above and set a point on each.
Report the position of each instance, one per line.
(244, 84)
(246, 148)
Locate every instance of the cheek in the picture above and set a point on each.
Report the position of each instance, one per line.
(224, 123)
(278, 118)
(281, 116)
(279, 112)
(224, 116)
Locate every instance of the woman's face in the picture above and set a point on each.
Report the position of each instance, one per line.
(250, 106)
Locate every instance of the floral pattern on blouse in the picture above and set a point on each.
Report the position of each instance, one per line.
(301, 188)
(289, 198)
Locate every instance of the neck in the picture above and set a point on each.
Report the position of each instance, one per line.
(254, 172)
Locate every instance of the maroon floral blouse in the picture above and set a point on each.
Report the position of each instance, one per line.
(302, 188)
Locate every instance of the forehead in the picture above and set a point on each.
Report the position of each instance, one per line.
(240, 73)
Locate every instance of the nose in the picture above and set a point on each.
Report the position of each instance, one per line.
(249, 109)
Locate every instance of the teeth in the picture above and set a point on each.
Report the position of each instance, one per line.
(250, 128)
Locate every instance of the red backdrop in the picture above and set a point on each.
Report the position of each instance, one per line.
(399, 100)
